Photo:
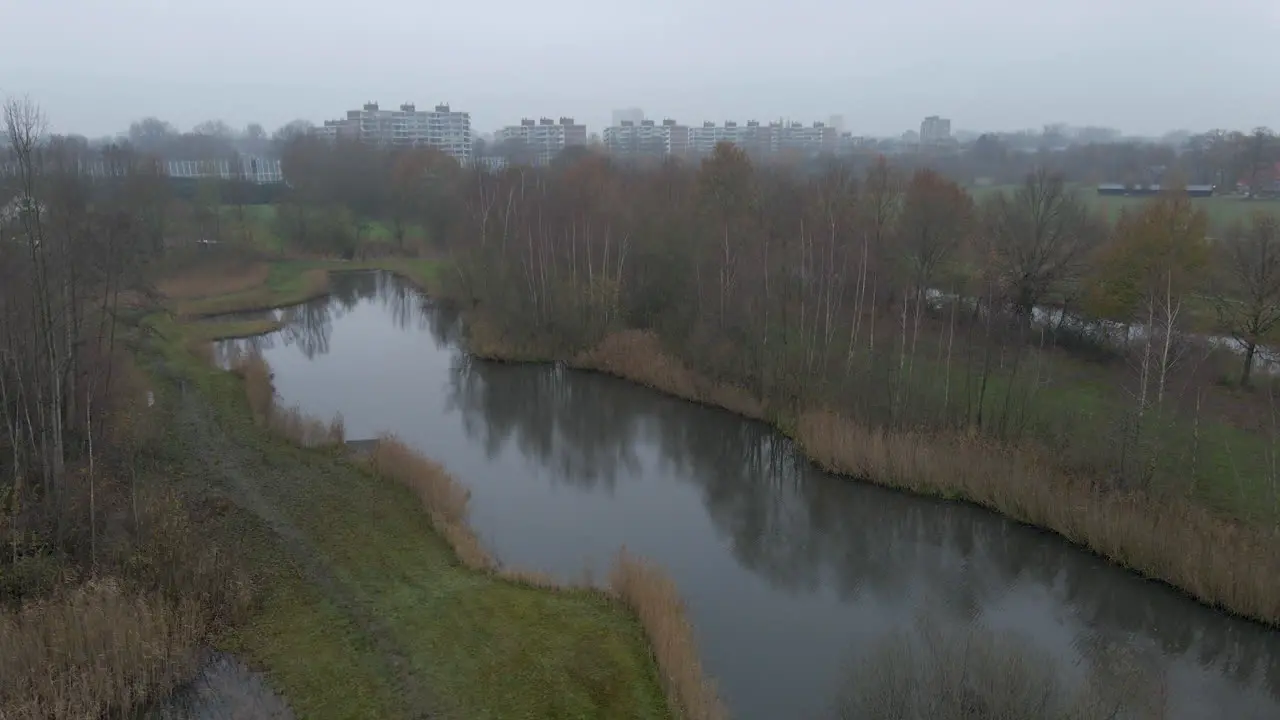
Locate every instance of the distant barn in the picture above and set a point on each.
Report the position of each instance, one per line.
(1116, 189)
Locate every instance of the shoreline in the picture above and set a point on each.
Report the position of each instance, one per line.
(1128, 530)
(1125, 530)
(628, 591)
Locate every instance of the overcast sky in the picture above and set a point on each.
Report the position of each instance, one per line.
(1141, 65)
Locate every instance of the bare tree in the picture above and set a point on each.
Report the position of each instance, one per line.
(1246, 288)
(1038, 239)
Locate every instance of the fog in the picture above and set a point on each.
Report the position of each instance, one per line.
(1144, 66)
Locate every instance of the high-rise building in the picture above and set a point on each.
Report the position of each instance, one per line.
(441, 128)
(935, 130)
(545, 138)
(647, 139)
(766, 139)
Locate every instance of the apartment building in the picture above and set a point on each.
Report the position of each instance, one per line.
(765, 139)
(441, 127)
(647, 139)
(935, 130)
(545, 138)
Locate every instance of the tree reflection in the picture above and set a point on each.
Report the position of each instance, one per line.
(552, 421)
(802, 529)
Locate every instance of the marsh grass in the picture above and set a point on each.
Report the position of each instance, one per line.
(638, 356)
(286, 284)
(652, 596)
(442, 497)
(1217, 560)
(218, 279)
(93, 649)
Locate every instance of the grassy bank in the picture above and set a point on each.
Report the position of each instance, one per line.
(369, 611)
(264, 286)
(1217, 560)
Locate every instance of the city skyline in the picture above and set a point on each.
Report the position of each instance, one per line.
(992, 64)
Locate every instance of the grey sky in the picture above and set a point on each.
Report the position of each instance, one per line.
(1141, 65)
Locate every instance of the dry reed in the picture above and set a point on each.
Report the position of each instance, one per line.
(442, 496)
(1217, 561)
(653, 597)
(93, 650)
(637, 355)
(216, 281)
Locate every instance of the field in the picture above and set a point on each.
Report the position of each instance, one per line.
(1221, 209)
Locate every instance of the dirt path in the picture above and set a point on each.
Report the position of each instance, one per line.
(246, 480)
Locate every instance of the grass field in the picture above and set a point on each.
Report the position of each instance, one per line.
(260, 225)
(366, 611)
(1221, 209)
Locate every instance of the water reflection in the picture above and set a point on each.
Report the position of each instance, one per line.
(784, 567)
(801, 529)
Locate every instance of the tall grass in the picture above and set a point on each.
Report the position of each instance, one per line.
(637, 355)
(1218, 561)
(220, 279)
(442, 496)
(107, 594)
(653, 596)
(94, 649)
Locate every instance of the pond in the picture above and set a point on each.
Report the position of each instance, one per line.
(788, 572)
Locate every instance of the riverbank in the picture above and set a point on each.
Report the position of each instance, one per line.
(1216, 559)
(366, 609)
(265, 286)
(1219, 561)
(623, 680)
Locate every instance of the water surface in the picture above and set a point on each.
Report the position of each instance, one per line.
(788, 572)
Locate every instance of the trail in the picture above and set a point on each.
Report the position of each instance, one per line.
(244, 478)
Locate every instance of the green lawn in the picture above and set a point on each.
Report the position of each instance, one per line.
(1222, 210)
(365, 611)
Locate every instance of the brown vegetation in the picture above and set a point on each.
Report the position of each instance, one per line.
(651, 594)
(94, 649)
(1216, 561)
(442, 496)
(222, 279)
(638, 356)
(107, 584)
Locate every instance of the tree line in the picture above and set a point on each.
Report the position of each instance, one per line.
(890, 295)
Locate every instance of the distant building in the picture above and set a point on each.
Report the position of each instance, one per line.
(935, 130)
(443, 128)
(672, 138)
(646, 139)
(1120, 189)
(545, 138)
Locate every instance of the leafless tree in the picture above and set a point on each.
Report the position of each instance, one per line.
(1038, 239)
(1246, 288)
